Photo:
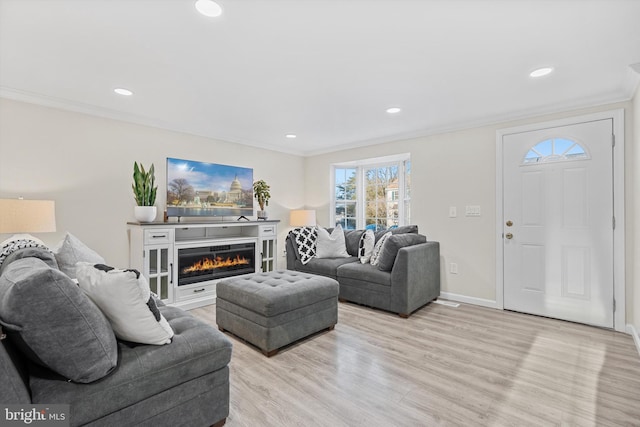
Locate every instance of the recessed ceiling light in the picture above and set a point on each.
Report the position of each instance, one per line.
(123, 91)
(541, 72)
(209, 8)
(291, 136)
(393, 110)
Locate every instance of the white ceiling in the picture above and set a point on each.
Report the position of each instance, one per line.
(325, 70)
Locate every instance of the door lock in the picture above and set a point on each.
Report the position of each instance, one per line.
(509, 223)
(509, 236)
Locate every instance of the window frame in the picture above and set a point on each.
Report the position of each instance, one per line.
(399, 160)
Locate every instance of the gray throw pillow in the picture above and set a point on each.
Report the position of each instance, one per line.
(393, 244)
(398, 230)
(352, 241)
(53, 322)
(71, 251)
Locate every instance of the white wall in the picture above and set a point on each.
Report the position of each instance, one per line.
(453, 169)
(85, 164)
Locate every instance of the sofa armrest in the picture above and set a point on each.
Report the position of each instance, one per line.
(292, 253)
(415, 277)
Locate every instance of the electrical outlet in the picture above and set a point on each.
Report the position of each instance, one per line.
(453, 268)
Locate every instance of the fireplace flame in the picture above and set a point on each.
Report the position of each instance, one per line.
(218, 262)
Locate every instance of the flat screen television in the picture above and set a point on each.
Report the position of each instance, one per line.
(199, 189)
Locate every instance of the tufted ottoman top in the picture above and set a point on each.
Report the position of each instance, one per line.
(276, 292)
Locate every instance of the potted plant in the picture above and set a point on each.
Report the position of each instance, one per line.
(144, 191)
(261, 193)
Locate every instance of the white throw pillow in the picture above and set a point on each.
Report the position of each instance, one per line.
(377, 250)
(331, 245)
(70, 251)
(125, 299)
(365, 246)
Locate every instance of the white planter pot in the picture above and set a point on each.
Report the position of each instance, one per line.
(145, 213)
(262, 215)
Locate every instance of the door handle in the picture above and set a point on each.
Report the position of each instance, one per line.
(509, 236)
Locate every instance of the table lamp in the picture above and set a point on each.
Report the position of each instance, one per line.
(302, 218)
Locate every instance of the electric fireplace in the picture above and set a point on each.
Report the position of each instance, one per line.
(206, 263)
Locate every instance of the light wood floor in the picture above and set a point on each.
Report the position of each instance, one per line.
(468, 366)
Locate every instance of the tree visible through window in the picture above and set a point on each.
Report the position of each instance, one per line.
(372, 195)
(345, 197)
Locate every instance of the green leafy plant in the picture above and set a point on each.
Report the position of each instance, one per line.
(261, 193)
(144, 188)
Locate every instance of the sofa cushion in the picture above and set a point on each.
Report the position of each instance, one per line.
(364, 273)
(53, 323)
(32, 251)
(377, 249)
(393, 244)
(143, 371)
(331, 245)
(125, 298)
(70, 251)
(397, 230)
(324, 266)
(306, 238)
(18, 243)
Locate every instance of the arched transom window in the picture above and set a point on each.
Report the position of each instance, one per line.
(555, 150)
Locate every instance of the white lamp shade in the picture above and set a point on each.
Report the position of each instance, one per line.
(302, 218)
(27, 216)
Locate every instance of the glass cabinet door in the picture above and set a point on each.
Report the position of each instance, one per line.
(159, 273)
(268, 255)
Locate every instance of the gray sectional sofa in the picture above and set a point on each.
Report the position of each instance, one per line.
(49, 326)
(412, 281)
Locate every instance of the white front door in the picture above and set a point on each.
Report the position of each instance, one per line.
(558, 222)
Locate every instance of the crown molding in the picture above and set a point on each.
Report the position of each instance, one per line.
(107, 113)
(631, 83)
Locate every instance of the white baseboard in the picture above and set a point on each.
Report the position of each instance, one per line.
(469, 300)
(631, 330)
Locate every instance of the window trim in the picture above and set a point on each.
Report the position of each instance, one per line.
(360, 166)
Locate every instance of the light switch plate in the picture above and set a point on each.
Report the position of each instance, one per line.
(472, 210)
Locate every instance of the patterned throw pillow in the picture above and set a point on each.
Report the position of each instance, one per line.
(10, 246)
(377, 250)
(306, 239)
(365, 247)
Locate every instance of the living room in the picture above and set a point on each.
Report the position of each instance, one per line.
(81, 156)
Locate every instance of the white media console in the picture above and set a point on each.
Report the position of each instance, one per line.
(184, 261)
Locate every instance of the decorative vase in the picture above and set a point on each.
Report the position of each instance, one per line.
(262, 215)
(145, 213)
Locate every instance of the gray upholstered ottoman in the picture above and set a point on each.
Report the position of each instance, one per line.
(271, 310)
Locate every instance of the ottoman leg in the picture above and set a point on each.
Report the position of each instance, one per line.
(270, 353)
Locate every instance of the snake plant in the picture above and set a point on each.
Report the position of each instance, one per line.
(144, 188)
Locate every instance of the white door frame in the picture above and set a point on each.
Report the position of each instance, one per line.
(619, 254)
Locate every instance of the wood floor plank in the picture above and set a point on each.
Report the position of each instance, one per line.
(465, 366)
